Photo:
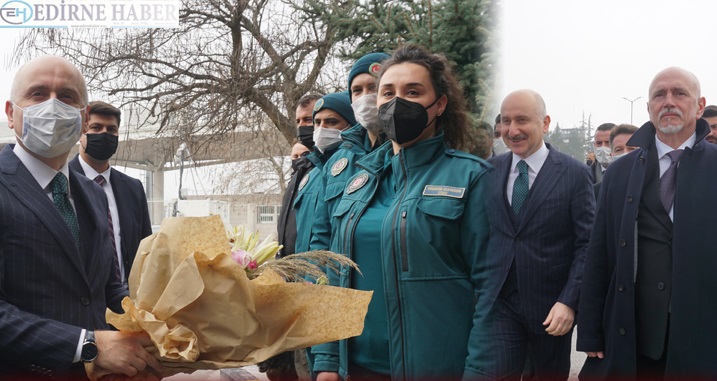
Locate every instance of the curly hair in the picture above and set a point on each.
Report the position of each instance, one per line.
(454, 121)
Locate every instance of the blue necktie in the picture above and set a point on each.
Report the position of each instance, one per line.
(62, 202)
(520, 187)
(667, 180)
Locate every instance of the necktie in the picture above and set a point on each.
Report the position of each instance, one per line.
(100, 180)
(62, 203)
(520, 187)
(667, 181)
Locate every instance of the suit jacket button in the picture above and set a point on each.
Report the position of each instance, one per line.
(623, 243)
(85, 301)
(629, 198)
(621, 331)
(621, 287)
(660, 286)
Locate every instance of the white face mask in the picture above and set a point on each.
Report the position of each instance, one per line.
(366, 113)
(50, 128)
(326, 137)
(603, 155)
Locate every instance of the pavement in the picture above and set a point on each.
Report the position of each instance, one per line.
(248, 373)
(251, 373)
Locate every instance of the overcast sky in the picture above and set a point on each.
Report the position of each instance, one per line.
(588, 55)
(582, 55)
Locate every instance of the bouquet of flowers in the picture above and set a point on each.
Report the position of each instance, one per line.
(208, 302)
(256, 257)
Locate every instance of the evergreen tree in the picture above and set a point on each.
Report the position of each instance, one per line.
(459, 29)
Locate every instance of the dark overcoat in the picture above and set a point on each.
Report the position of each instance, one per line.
(606, 321)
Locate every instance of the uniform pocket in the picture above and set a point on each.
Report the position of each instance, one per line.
(447, 208)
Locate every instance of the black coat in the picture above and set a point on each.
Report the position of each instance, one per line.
(606, 321)
(286, 228)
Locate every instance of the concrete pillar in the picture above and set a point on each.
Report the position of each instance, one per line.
(155, 195)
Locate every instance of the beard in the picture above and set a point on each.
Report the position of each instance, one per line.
(671, 129)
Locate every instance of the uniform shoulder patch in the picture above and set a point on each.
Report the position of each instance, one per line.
(339, 166)
(303, 182)
(442, 190)
(357, 183)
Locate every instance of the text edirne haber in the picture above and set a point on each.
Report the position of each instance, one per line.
(104, 12)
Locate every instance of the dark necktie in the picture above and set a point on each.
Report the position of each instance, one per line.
(62, 202)
(101, 181)
(667, 180)
(520, 187)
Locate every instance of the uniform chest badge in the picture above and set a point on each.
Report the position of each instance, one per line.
(303, 182)
(357, 183)
(339, 166)
(443, 191)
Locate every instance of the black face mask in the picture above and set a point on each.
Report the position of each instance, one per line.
(295, 165)
(306, 136)
(403, 120)
(101, 146)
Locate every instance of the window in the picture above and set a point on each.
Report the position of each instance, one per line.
(267, 214)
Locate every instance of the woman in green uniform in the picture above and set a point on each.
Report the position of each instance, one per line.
(414, 220)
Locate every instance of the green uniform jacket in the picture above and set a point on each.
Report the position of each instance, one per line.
(434, 241)
(337, 171)
(310, 196)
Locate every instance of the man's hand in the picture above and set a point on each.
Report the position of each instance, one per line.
(595, 354)
(328, 376)
(560, 320)
(123, 353)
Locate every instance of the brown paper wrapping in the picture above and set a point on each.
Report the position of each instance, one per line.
(202, 312)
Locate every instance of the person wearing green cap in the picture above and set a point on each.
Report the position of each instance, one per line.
(332, 114)
(414, 220)
(358, 141)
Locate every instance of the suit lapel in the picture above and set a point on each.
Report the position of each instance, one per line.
(20, 182)
(502, 164)
(544, 183)
(651, 191)
(87, 204)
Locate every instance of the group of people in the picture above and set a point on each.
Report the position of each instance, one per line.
(481, 269)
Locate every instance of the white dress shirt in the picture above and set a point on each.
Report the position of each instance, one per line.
(535, 163)
(41, 172)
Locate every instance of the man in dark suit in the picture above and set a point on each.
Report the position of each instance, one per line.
(541, 209)
(287, 217)
(648, 301)
(57, 273)
(125, 195)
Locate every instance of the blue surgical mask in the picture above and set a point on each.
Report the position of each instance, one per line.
(50, 128)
